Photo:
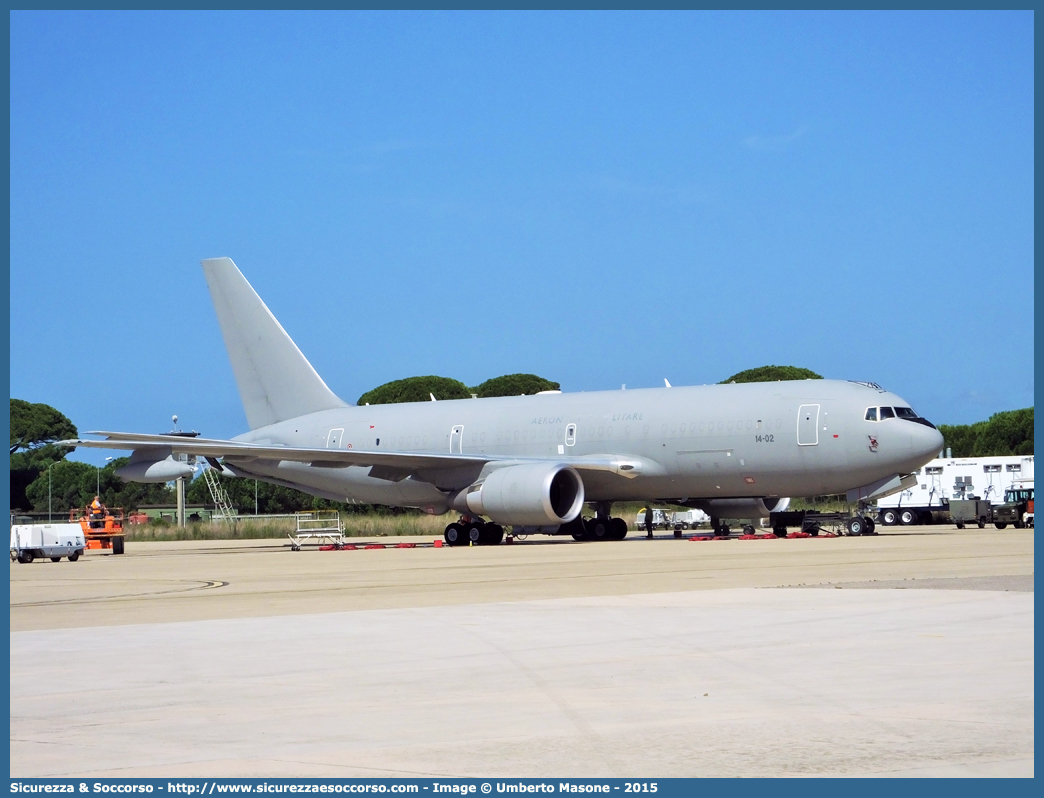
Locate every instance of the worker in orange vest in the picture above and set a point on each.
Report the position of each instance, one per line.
(97, 513)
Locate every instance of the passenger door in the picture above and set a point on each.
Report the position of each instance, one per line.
(808, 425)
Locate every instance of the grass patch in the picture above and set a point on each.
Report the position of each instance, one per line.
(260, 528)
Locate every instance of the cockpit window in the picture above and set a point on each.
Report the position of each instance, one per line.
(871, 414)
(905, 412)
(886, 412)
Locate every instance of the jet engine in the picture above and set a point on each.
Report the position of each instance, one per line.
(154, 470)
(743, 509)
(532, 495)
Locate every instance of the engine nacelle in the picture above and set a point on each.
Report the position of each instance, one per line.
(155, 470)
(534, 494)
(743, 509)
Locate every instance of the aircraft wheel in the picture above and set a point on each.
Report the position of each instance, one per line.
(907, 517)
(598, 528)
(889, 517)
(454, 535)
(870, 525)
(618, 529)
(999, 526)
(475, 534)
(494, 534)
(854, 526)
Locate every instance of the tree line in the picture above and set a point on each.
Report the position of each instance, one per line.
(1005, 433)
(421, 389)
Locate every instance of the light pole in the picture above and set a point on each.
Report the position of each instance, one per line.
(52, 465)
(97, 491)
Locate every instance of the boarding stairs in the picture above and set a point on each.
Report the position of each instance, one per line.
(223, 508)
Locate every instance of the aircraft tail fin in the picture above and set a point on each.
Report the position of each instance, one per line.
(276, 382)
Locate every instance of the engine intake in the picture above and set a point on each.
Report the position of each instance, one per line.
(534, 494)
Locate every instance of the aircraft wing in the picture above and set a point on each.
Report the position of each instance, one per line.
(390, 462)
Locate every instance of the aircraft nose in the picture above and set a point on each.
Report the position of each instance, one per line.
(928, 441)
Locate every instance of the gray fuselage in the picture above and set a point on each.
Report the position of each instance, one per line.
(799, 438)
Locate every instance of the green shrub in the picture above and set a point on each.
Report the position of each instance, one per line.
(514, 385)
(773, 374)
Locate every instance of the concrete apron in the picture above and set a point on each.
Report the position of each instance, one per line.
(733, 682)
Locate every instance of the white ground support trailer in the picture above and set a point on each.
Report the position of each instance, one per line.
(690, 519)
(948, 478)
(662, 519)
(36, 541)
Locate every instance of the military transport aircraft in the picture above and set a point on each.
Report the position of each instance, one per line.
(533, 461)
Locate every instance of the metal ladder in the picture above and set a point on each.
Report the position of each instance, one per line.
(222, 503)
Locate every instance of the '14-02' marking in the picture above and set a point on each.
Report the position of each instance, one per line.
(765, 438)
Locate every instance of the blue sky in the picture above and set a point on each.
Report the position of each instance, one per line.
(598, 198)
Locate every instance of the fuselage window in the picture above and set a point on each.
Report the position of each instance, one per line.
(871, 414)
(886, 412)
(570, 437)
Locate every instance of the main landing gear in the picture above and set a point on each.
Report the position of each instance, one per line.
(601, 527)
(470, 531)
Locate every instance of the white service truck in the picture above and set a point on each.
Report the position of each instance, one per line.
(32, 541)
(665, 519)
(947, 478)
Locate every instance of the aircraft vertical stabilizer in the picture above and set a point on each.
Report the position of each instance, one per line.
(275, 380)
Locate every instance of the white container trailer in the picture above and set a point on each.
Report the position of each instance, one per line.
(948, 478)
(690, 519)
(30, 541)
